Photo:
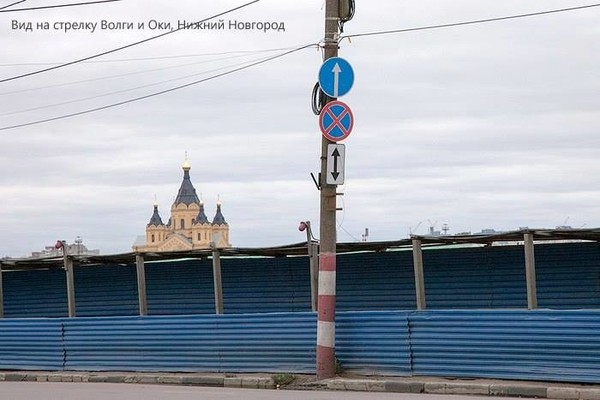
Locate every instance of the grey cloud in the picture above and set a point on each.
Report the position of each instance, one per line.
(484, 126)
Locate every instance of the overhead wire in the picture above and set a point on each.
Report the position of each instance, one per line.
(277, 56)
(222, 53)
(135, 99)
(13, 4)
(246, 53)
(102, 78)
(473, 22)
(340, 224)
(87, 3)
(129, 89)
(125, 46)
(349, 234)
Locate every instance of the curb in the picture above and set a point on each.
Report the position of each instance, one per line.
(246, 382)
(556, 391)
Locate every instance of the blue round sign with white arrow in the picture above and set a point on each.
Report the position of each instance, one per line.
(336, 77)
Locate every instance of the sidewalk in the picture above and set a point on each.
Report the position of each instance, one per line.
(481, 387)
(433, 385)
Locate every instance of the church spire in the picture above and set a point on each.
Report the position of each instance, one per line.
(219, 218)
(201, 218)
(155, 219)
(187, 192)
(186, 164)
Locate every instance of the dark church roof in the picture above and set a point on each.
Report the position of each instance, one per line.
(219, 218)
(187, 192)
(201, 218)
(155, 220)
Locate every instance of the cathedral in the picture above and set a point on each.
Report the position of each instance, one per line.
(188, 228)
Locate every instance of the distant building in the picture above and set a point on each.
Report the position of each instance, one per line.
(74, 249)
(188, 227)
(489, 231)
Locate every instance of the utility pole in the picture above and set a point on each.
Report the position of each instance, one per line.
(327, 256)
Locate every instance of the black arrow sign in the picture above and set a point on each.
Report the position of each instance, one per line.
(335, 155)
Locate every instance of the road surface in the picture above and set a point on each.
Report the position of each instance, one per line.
(108, 391)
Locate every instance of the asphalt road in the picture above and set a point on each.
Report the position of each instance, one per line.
(108, 391)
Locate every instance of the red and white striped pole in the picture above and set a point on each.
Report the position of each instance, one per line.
(326, 319)
(328, 234)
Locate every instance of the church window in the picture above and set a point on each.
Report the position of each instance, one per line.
(152, 238)
(182, 223)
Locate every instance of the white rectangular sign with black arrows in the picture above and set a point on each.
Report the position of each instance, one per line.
(336, 161)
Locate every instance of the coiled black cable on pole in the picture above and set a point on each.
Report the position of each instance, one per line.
(346, 12)
(318, 99)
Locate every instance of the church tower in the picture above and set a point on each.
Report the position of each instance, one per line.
(202, 229)
(188, 228)
(186, 205)
(220, 228)
(156, 231)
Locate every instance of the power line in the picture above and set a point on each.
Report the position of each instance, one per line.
(479, 21)
(341, 223)
(123, 47)
(4, 128)
(13, 4)
(157, 57)
(129, 89)
(348, 233)
(140, 72)
(2, 10)
(102, 78)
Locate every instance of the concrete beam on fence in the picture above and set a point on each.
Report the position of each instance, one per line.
(70, 276)
(313, 255)
(532, 302)
(218, 282)
(141, 284)
(419, 275)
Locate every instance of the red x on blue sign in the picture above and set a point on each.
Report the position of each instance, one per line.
(336, 121)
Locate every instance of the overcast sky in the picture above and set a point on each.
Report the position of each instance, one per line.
(484, 126)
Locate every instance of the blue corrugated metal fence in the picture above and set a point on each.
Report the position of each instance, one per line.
(281, 342)
(534, 345)
(140, 344)
(214, 343)
(31, 344)
(373, 341)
